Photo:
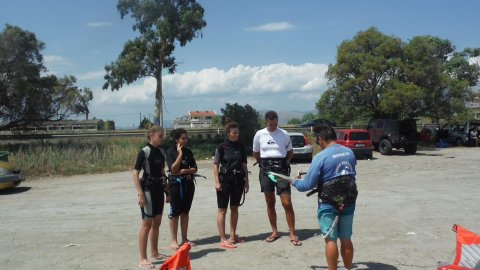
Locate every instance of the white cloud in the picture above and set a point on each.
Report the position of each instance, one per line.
(139, 92)
(92, 75)
(55, 60)
(276, 86)
(245, 80)
(273, 26)
(274, 78)
(99, 24)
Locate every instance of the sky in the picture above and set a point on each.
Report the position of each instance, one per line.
(270, 54)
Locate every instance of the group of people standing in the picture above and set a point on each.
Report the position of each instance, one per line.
(273, 151)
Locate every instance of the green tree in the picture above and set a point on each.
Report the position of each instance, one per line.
(294, 121)
(27, 96)
(144, 123)
(445, 77)
(247, 119)
(308, 116)
(378, 75)
(71, 99)
(162, 25)
(216, 121)
(365, 68)
(109, 125)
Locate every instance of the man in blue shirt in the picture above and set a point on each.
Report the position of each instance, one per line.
(333, 167)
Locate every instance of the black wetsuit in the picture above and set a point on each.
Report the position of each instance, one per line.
(230, 156)
(181, 187)
(151, 182)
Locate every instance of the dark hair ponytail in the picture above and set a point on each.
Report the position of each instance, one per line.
(177, 133)
(229, 125)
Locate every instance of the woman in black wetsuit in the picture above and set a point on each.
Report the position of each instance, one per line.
(231, 180)
(150, 189)
(182, 167)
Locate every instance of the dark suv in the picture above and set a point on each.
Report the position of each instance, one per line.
(460, 134)
(387, 134)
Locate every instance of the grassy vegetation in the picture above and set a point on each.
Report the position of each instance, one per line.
(100, 155)
(84, 156)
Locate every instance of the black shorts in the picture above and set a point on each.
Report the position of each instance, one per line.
(232, 190)
(268, 186)
(154, 202)
(181, 197)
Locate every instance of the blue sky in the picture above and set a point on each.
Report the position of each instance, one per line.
(271, 54)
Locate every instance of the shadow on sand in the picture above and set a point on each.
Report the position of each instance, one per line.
(15, 190)
(363, 266)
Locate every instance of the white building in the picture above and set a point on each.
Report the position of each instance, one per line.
(195, 119)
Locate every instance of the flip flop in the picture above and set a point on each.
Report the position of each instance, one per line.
(146, 266)
(237, 240)
(271, 239)
(228, 245)
(296, 242)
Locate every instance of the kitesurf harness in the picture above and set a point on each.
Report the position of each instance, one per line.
(339, 192)
(278, 165)
(231, 162)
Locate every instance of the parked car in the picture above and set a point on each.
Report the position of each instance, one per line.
(316, 122)
(10, 176)
(387, 134)
(302, 149)
(460, 134)
(358, 140)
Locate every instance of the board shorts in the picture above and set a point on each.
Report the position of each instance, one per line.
(343, 230)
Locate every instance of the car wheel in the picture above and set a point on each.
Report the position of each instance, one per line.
(411, 149)
(385, 147)
(459, 142)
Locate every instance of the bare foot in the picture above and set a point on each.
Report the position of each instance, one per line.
(174, 246)
(192, 244)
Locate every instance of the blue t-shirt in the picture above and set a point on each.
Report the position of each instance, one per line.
(334, 161)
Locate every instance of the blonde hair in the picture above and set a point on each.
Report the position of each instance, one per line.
(151, 128)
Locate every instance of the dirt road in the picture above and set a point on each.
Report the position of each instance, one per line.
(405, 211)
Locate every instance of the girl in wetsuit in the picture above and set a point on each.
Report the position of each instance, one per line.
(150, 189)
(231, 180)
(182, 167)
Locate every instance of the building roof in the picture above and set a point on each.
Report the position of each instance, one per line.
(201, 113)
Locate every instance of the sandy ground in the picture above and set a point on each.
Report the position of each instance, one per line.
(405, 211)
